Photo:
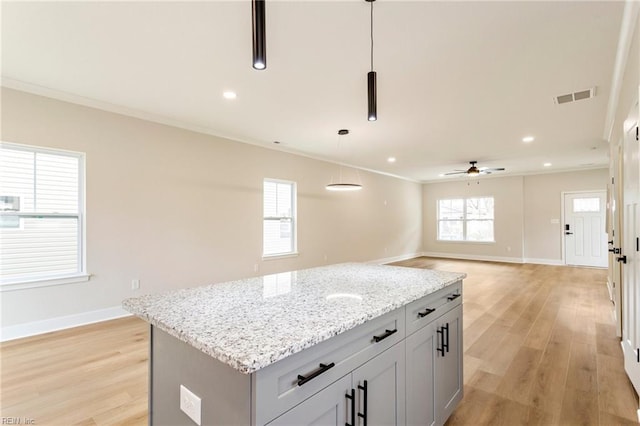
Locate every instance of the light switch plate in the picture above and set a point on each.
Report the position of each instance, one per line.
(191, 404)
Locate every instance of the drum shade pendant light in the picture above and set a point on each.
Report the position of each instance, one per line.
(371, 79)
(258, 27)
(342, 185)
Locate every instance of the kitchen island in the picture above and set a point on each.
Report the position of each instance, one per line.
(291, 348)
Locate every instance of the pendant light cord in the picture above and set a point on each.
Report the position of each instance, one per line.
(371, 35)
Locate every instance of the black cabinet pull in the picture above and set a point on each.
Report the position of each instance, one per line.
(323, 367)
(363, 415)
(440, 343)
(453, 297)
(622, 259)
(612, 250)
(446, 328)
(638, 354)
(610, 242)
(426, 312)
(386, 334)
(352, 397)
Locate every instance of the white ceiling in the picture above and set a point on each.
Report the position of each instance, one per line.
(457, 81)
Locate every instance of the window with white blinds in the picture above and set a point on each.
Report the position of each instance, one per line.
(279, 213)
(41, 214)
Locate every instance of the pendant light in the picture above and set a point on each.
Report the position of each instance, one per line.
(341, 185)
(258, 27)
(371, 80)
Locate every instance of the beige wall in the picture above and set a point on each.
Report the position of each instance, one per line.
(524, 208)
(175, 208)
(543, 202)
(507, 193)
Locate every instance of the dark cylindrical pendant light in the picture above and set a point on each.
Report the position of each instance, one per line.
(371, 80)
(259, 40)
(371, 86)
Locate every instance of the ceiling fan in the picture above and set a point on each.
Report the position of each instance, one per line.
(473, 170)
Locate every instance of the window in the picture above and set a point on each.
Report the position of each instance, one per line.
(586, 205)
(466, 219)
(41, 212)
(279, 227)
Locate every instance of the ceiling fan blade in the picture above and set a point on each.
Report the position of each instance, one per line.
(456, 173)
(499, 169)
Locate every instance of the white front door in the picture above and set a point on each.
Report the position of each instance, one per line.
(584, 228)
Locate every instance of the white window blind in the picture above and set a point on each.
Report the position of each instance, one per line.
(41, 223)
(279, 227)
(466, 219)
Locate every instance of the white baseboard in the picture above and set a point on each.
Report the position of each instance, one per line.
(60, 323)
(394, 258)
(554, 262)
(473, 257)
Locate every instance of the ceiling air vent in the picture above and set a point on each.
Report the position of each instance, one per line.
(575, 96)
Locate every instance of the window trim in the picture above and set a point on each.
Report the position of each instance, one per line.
(464, 221)
(294, 220)
(82, 275)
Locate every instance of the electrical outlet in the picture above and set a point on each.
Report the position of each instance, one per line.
(135, 284)
(191, 404)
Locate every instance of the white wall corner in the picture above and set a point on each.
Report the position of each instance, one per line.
(33, 328)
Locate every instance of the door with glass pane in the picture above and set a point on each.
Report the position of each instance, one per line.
(584, 229)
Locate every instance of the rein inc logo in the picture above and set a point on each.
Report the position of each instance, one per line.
(17, 421)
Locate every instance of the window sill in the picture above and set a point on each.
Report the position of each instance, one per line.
(43, 282)
(279, 256)
(466, 242)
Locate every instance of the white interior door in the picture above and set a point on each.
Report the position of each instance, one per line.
(584, 229)
(631, 255)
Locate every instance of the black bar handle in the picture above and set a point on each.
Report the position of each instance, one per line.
(568, 233)
(426, 312)
(352, 397)
(440, 343)
(610, 242)
(323, 367)
(446, 328)
(622, 259)
(386, 334)
(612, 250)
(638, 354)
(364, 405)
(453, 297)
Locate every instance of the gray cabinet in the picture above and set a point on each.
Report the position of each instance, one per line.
(448, 363)
(373, 395)
(326, 408)
(380, 388)
(421, 349)
(434, 361)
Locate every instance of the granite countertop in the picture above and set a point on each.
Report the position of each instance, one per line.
(252, 323)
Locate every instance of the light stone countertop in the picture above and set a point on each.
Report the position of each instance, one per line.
(252, 323)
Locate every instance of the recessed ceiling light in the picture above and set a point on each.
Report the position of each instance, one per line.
(229, 95)
(547, 164)
(391, 159)
(528, 139)
(441, 175)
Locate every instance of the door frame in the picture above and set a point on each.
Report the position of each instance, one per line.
(562, 220)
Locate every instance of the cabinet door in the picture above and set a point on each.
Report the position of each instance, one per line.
(380, 388)
(448, 365)
(329, 407)
(421, 350)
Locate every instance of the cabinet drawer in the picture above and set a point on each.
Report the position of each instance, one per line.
(277, 387)
(423, 311)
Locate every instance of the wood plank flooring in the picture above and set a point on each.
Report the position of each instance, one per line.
(540, 348)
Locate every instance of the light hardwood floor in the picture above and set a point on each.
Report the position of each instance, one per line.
(540, 348)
